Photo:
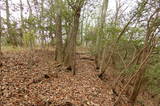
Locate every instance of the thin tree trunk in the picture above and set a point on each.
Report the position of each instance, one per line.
(82, 26)
(137, 87)
(144, 62)
(149, 44)
(104, 67)
(99, 37)
(22, 23)
(59, 46)
(30, 9)
(50, 31)
(8, 21)
(139, 78)
(0, 39)
(41, 24)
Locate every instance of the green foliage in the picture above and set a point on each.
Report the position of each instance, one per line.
(91, 35)
(13, 37)
(153, 76)
(29, 38)
(141, 8)
(113, 31)
(157, 22)
(31, 22)
(108, 35)
(134, 30)
(153, 73)
(110, 32)
(131, 70)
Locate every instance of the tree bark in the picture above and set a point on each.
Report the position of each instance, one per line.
(41, 24)
(22, 23)
(104, 67)
(0, 36)
(70, 51)
(100, 35)
(30, 8)
(8, 22)
(149, 44)
(59, 45)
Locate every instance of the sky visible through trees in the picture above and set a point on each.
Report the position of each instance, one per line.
(16, 14)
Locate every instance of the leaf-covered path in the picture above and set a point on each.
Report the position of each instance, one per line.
(35, 79)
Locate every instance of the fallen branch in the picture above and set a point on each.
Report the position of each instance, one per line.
(87, 58)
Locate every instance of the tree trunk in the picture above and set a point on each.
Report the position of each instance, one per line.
(0, 39)
(82, 27)
(51, 31)
(8, 22)
(100, 35)
(103, 68)
(70, 51)
(149, 44)
(22, 23)
(30, 9)
(41, 24)
(59, 45)
(137, 85)
(139, 78)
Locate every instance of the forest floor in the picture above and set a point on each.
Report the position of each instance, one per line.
(35, 79)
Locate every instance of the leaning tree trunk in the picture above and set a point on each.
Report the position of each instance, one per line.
(107, 60)
(149, 44)
(114, 44)
(59, 46)
(140, 77)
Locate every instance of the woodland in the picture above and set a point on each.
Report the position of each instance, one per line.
(79, 52)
